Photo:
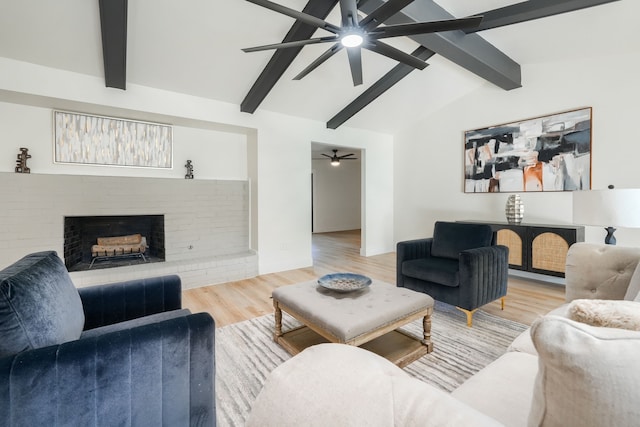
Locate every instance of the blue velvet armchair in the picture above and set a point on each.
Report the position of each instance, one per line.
(123, 354)
(460, 265)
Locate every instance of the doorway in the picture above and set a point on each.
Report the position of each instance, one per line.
(336, 190)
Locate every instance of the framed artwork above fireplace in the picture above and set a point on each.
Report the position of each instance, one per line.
(108, 141)
(548, 153)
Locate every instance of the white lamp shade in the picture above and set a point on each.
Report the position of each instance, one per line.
(607, 208)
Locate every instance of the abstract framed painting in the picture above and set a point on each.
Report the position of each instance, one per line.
(547, 153)
(108, 141)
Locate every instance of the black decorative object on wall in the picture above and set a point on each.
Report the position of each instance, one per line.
(189, 167)
(22, 161)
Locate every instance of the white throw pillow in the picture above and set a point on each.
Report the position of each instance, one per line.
(588, 376)
(606, 313)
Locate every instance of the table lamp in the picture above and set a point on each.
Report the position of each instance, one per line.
(607, 208)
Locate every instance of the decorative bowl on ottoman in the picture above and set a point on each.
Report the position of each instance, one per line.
(344, 282)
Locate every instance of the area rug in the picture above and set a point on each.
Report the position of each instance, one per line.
(246, 354)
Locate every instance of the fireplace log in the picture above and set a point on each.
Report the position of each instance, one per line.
(119, 245)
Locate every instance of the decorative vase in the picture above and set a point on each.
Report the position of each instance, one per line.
(514, 209)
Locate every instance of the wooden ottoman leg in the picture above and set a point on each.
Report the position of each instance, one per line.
(426, 326)
(278, 317)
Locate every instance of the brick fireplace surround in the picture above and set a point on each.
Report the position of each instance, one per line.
(206, 222)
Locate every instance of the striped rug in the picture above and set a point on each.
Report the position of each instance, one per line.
(246, 353)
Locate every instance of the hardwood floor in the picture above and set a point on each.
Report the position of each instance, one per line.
(340, 252)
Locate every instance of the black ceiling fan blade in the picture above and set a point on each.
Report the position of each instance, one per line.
(355, 62)
(295, 43)
(391, 52)
(326, 155)
(425, 27)
(384, 12)
(349, 11)
(346, 155)
(321, 59)
(300, 16)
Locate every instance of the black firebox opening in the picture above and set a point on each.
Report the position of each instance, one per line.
(81, 232)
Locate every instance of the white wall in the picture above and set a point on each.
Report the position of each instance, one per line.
(429, 158)
(284, 196)
(336, 196)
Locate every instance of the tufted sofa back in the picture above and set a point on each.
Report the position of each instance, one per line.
(599, 271)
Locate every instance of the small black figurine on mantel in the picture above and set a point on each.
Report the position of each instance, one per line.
(189, 167)
(22, 161)
(610, 239)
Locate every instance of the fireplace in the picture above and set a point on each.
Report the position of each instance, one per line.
(81, 233)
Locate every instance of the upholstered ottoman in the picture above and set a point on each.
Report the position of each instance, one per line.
(368, 318)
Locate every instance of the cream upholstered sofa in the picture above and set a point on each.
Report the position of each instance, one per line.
(561, 372)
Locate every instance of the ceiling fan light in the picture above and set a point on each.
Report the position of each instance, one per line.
(352, 39)
(335, 162)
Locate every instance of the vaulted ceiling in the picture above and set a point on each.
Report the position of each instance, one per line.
(194, 47)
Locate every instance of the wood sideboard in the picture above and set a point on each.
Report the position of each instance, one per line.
(536, 248)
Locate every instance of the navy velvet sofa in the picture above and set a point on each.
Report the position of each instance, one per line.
(122, 354)
(460, 265)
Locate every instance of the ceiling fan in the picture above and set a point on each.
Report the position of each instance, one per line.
(335, 159)
(356, 33)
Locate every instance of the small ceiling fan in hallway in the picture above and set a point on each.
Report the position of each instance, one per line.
(355, 34)
(335, 159)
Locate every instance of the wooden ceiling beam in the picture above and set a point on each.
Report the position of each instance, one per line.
(470, 51)
(282, 58)
(113, 23)
(474, 54)
(530, 10)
